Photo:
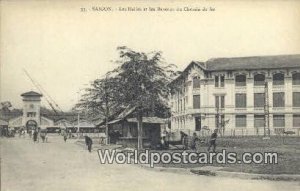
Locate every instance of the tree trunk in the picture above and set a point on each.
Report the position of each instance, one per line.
(106, 131)
(140, 130)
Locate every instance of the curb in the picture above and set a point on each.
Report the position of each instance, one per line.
(206, 172)
(219, 173)
(274, 177)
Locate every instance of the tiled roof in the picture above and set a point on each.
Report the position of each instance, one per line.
(122, 115)
(244, 63)
(2, 122)
(255, 62)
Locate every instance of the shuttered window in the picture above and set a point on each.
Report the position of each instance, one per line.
(296, 79)
(259, 80)
(220, 101)
(217, 101)
(278, 99)
(296, 120)
(222, 80)
(278, 121)
(240, 121)
(216, 81)
(240, 100)
(278, 79)
(240, 80)
(196, 82)
(296, 99)
(259, 121)
(259, 100)
(196, 101)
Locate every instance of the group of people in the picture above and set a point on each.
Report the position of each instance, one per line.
(191, 141)
(211, 141)
(88, 140)
(36, 134)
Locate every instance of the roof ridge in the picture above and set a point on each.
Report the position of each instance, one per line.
(261, 56)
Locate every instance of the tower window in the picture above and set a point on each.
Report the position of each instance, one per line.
(31, 114)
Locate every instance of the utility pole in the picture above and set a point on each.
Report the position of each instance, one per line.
(266, 112)
(106, 110)
(218, 115)
(78, 117)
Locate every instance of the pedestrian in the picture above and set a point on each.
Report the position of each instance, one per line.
(43, 135)
(212, 141)
(194, 141)
(30, 132)
(88, 142)
(38, 135)
(65, 137)
(20, 132)
(35, 136)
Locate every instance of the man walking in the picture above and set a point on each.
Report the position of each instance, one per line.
(35, 136)
(88, 142)
(212, 141)
(65, 137)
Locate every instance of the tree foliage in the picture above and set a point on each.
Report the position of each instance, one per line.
(143, 80)
(99, 99)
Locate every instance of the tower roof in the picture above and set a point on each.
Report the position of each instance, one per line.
(31, 93)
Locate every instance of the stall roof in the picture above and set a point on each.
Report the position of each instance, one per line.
(148, 120)
(114, 121)
(122, 115)
(83, 124)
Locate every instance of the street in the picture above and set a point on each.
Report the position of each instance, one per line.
(59, 166)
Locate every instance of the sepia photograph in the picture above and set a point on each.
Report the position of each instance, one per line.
(149, 95)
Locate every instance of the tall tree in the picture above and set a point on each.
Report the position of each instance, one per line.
(142, 83)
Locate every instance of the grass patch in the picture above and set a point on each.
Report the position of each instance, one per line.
(288, 150)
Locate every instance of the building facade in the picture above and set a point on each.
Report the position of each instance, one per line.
(240, 96)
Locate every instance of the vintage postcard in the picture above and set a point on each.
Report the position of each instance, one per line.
(149, 95)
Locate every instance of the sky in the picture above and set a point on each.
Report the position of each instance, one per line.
(65, 49)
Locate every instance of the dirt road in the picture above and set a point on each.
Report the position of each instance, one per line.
(56, 166)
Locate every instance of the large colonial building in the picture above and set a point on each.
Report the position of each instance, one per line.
(244, 96)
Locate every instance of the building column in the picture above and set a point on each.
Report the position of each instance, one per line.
(288, 121)
(250, 95)
(250, 125)
(288, 101)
